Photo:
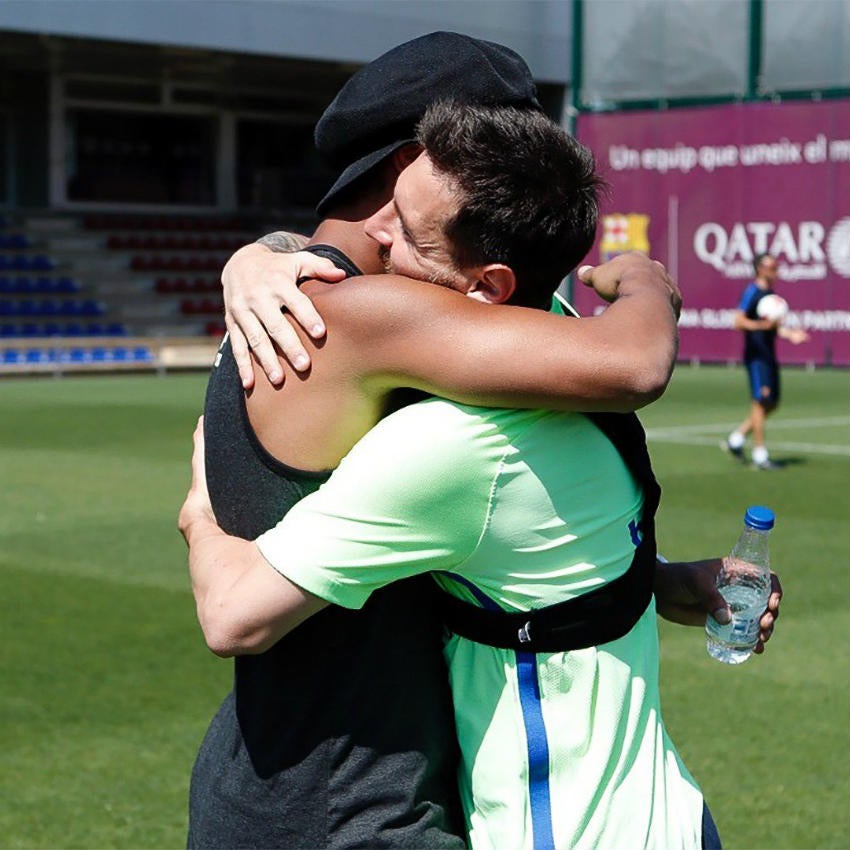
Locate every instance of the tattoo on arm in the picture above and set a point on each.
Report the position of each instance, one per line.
(283, 242)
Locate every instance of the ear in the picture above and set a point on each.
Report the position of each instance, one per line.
(494, 283)
(404, 156)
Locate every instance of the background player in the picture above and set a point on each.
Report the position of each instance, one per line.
(760, 361)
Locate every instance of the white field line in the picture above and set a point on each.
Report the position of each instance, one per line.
(706, 435)
(809, 448)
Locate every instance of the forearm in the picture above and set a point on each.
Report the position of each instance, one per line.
(636, 340)
(686, 591)
(217, 563)
(404, 333)
(619, 361)
(638, 335)
(742, 323)
(666, 585)
(243, 606)
(794, 335)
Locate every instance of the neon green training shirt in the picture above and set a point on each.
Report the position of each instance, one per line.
(515, 509)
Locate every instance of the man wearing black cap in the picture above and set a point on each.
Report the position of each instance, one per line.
(341, 734)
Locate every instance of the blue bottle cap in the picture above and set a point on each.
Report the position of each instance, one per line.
(759, 517)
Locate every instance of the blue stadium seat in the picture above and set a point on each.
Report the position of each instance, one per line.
(90, 307)
(41, 263)
(11, 355)
(142, 354)
(13, 241)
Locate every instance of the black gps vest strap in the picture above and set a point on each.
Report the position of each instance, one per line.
(340, 260)
(595, 617)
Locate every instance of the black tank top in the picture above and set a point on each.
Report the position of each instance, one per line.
(342, 734)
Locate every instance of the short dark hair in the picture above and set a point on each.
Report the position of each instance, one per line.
(530, 191)
(759, 259)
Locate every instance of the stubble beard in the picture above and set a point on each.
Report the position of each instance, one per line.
(384, 257)
(439, 277)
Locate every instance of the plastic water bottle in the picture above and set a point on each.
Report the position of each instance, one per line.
(744, 582)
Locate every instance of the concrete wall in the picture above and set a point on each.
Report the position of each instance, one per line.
(347, 30)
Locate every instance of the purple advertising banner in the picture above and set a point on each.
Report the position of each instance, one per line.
(704, 190)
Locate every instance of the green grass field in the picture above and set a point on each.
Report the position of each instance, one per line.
(107, 687)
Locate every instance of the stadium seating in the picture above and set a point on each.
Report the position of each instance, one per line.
(50, 307)
(23, 285)
(215, 328)
(175, 263)
(168, 223)
(185, 286)
(59, 329)
(61, 355)
(121, 354)
(25, 262)
(201, 307)
(158, 242)
(104, 291)
(14, 242)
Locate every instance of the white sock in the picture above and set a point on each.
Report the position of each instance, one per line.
(759, 454)
(736, 440)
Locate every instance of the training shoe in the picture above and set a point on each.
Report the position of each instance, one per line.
(737, 452)
(766, 464)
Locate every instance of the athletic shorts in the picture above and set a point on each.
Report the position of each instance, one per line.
(710, 837)
(764, 380)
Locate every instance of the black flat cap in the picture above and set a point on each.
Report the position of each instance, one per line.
(377, 110)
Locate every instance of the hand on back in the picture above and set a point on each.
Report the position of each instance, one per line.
(258, 284)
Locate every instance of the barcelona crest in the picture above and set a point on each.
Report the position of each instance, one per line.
(622, 233)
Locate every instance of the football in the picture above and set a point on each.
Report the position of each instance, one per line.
(773, 307)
